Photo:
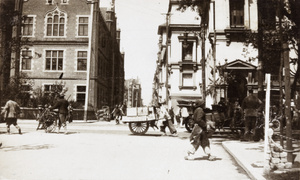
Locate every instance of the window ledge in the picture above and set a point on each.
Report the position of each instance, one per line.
(53, 71)
(81, 36)
(188, 87)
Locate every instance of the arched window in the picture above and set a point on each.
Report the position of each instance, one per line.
(55, 23)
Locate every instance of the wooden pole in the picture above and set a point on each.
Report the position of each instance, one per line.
(260, 47)
(287, 83)
(280, 70)
(167, 58)
(267, 114)
(214, 55)
(91, 19)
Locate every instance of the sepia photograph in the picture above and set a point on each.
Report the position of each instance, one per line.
(149, 90)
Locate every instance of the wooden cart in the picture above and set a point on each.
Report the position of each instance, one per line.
(140, 124)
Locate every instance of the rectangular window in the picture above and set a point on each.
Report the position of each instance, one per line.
(52, 88)
(80, 94)
(237, 13)
(25, 88)
(49, 1)
(81, 60)
(26, 59)
(187, 79)
(28, 26)
(64, 1)
(54, 60)
(83, 25)
(187, 51)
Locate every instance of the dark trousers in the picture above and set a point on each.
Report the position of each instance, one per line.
(62, 120)
(250, 122)
(199, 137)
(168, 123)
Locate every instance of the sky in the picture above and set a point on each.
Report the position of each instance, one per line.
(139, 21)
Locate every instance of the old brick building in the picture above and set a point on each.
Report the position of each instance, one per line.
(62, 39)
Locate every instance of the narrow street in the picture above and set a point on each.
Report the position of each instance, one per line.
(103, 150)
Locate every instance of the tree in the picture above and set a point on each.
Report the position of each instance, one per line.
(6, 14)
(10, 18)
(291, 12)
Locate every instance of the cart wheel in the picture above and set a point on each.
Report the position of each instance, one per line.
(138, 127)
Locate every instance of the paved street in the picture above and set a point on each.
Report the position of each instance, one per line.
(103, 150)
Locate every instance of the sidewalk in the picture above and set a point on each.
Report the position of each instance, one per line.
(250, 156)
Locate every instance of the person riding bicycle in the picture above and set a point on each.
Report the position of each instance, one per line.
(62, 106)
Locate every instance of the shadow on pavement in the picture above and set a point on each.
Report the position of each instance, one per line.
(27, 147)
(144, 134)
(205, 158)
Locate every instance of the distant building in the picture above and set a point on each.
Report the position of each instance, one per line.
(133, 96)
(60, 47)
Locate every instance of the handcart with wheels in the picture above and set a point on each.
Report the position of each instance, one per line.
(139, 124)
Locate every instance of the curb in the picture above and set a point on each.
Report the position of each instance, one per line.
(246, 166)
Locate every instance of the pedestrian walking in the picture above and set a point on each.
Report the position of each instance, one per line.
(251, 104)
(62, 106)
(178, 115)
(166, 120)
(117, 114)
(172, 114)
(121, 113)
(11, 111)
(199, 135)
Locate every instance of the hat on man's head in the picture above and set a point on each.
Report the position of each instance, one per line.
(199, 102)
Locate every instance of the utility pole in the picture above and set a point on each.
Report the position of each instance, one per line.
(167, 59)
(90, 49)
(280, 68)
(203, 28)
(214, 53)
(260, 47)
(287, 84)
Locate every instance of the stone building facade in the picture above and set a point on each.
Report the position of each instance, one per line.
(62, 40)
(224, 50)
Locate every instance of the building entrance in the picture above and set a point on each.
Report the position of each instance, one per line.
(237, 88)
